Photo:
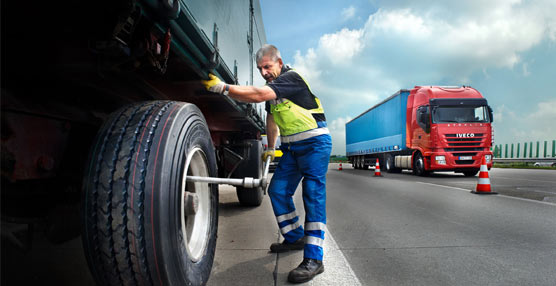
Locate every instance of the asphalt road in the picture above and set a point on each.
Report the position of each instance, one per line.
(394, 230)
(405, 230)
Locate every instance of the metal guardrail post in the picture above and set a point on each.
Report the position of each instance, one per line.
(512, 153)
(530, 149)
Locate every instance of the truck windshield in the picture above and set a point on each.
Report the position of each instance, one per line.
(460, 114)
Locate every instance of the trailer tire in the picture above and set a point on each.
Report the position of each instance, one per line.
(138, 226)
(252, 167)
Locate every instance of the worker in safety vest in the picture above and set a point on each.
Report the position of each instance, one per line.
(296, 114)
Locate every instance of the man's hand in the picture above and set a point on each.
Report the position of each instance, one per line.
(214, 84)
(267, 153)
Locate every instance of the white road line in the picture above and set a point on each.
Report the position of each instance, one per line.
(337, 270)
(449, 187)
(510, 197)
(528, 200)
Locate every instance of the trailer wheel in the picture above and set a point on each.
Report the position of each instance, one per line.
(251, 167)
(419, 165)
(143, 224)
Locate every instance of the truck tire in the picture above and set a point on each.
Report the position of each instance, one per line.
(143, 224)
(390, 165)
(419, 166)
(251, 167)
(470, 173)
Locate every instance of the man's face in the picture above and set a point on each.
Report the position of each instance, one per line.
(269, 69)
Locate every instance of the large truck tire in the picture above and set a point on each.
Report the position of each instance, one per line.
(143, 224)
(251, 167)
(419, 165)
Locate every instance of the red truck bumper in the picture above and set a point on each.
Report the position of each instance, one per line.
(456, 162)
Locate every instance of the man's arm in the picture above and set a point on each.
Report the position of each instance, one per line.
(251, 93)
(272, 131)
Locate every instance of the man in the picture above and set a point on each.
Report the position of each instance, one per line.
(296, 114)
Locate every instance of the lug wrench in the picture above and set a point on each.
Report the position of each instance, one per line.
(246, 182)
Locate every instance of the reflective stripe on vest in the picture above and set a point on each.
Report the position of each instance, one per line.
(294, 119)
(304, 135)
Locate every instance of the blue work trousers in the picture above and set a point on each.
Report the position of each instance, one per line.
(308, 160)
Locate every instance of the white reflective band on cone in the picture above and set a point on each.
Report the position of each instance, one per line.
(304, 135)
(284, 217)
(484, 168)
(314, 240)
(314, 226)
(484, 181)
(290, 227)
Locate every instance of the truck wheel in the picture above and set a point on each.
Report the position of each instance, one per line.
(470, 173)
(251, 167)
(143, 224)
(419, 165)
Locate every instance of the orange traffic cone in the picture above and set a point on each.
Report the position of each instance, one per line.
(483, 186)
(377, 169)
(340, 168)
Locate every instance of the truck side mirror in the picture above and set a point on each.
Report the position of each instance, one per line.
(423, 118)
(490, 113)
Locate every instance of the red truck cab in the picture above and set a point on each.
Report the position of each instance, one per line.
(449, 129)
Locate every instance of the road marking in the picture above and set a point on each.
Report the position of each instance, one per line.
(510, 197)
(337, 269)
(528, 200)
(525, 179)
(456, 188)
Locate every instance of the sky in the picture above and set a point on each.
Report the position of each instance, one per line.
(355, 54)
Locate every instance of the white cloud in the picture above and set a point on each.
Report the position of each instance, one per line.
(348, 13)
(406, 43)
(516, 125)
(338, 132)
(342, 46)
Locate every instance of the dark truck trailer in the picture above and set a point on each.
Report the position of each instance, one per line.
(425, 129)
(104, 117)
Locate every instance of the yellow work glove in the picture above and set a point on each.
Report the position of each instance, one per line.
(268, 153)
(214, 84)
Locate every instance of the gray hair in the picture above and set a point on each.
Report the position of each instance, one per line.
(268, 50)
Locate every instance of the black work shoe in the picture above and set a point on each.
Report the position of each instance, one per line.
(286, 246)
(306, 271)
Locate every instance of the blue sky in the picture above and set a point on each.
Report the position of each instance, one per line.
(356, 53)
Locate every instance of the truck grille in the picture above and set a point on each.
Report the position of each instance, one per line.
(467, 146)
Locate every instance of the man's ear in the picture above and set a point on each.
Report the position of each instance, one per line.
(280, 62)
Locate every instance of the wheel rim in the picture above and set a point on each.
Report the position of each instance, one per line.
(195, 223)
(420, 165)
(388, 164)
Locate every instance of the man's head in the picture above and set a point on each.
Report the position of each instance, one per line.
(269, 62)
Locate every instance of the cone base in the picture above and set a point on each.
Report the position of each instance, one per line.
(378, 176)
(484, 193)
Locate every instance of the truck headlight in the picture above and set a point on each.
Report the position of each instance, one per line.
(441, 160)
(488, 158)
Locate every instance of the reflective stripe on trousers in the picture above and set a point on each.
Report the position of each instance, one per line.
(307, 160)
